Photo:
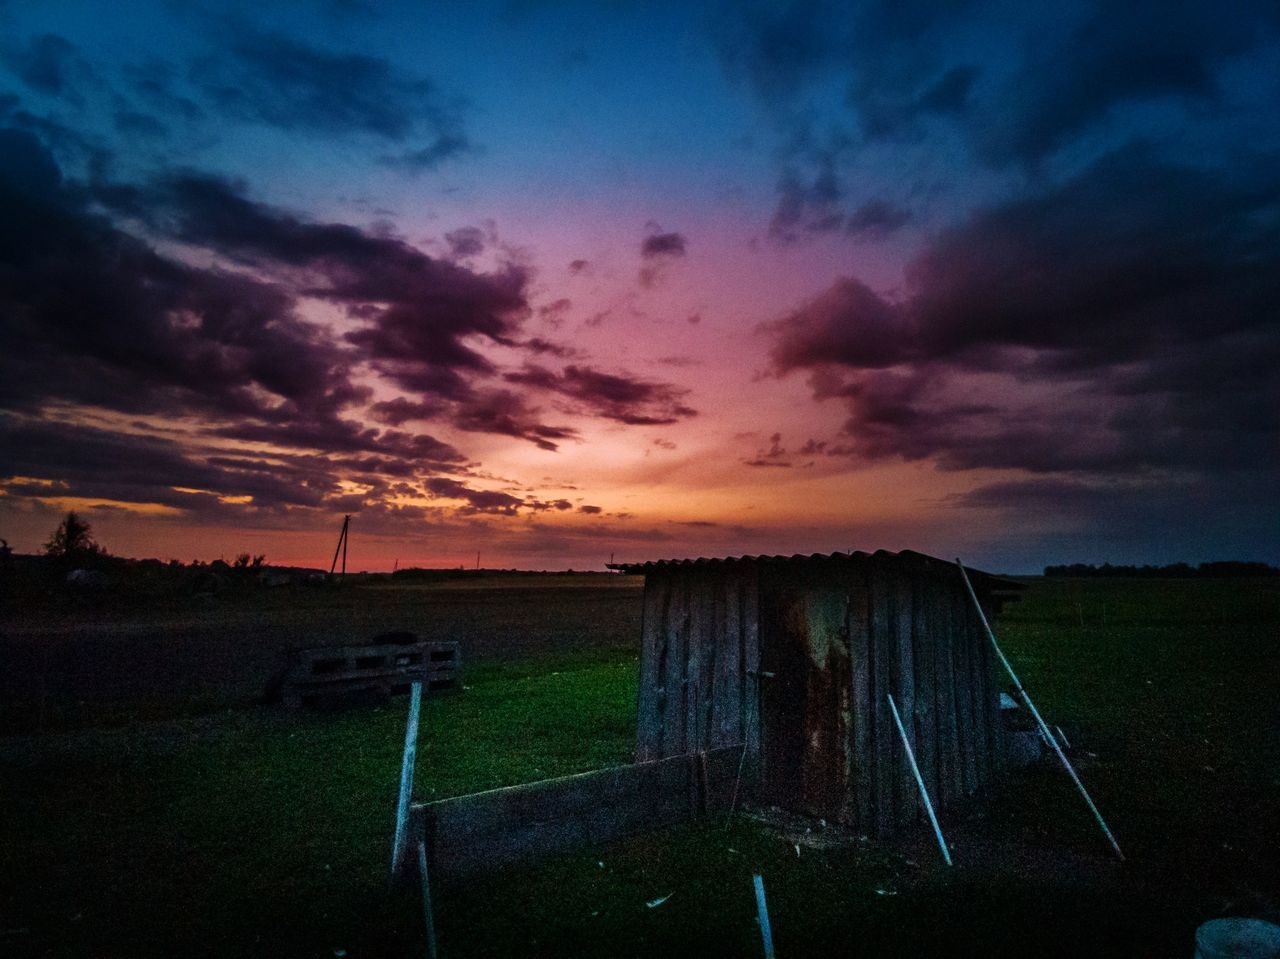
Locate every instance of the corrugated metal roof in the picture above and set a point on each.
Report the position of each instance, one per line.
(906, 556)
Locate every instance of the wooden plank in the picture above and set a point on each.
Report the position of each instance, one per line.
(657, 588)
(904, 689)
(963, 692)
(407, 674)
(924, 652)
(974, 641)
(664, 666)
(677, 627)
(696, 674)
(882, 656)
(863, 720)
(950, 784)
(520, 824)
(995, 721)
(750, 580)
(711, 625)
(727, 714)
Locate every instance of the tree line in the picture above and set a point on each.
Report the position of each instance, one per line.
(1225, 569)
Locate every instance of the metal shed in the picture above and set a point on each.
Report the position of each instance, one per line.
(793, 656)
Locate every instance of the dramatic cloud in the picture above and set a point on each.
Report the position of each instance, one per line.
(478, 501)
(976, 80)
(775, 455)
(49, 64)
(1089, 327)
(1112, 55)
(281, 81)
(508, 414)
(623, 398)
(420, 310)
(808, 206)
(662, 244)
(656, 252)
(91, 315)
(876, 218)
(465, 242)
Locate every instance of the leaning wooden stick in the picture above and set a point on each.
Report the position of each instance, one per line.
(1031, 707)
(406, 776)
(924, 793)
(762, 910)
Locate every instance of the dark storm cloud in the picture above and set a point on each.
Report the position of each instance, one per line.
(347, 436)
(465, 241)
(508, 414)
(619, 397)
(1115, 54)
(876, 218)
(215, 343)
(1017, 87)
(429, 157)
(775, 455)
(399, 411)
(1088, 327)
(420, 310)
(278, 80)
(87, 462)
(543, 347)
(135, 123)
(157, 83)
(49, 64)
(662, 244)
(478, 501)
(808, 205)
(91, 314)
(657, 252)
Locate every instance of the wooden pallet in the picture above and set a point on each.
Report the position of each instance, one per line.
(325, 672)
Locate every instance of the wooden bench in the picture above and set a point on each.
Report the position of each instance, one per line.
(387, 670)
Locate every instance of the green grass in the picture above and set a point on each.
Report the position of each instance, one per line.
(254, 834)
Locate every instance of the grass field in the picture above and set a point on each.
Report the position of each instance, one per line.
(221, 828)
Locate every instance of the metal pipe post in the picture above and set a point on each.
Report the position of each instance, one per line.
(924, 793)
(762, 910)
(406, 775)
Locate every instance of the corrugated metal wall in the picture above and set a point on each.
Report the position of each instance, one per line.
(836, 635)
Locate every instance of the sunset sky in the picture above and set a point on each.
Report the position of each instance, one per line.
(553, 282)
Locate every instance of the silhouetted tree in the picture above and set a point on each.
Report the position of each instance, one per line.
(72, 540)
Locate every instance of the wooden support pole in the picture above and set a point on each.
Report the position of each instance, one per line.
(428, 916)
(762, 911)
(406, 776)
(1031, 707)
(924, 793)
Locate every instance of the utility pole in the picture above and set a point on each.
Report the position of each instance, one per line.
(341, 548)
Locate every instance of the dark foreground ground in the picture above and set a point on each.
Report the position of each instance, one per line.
(160, 813)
